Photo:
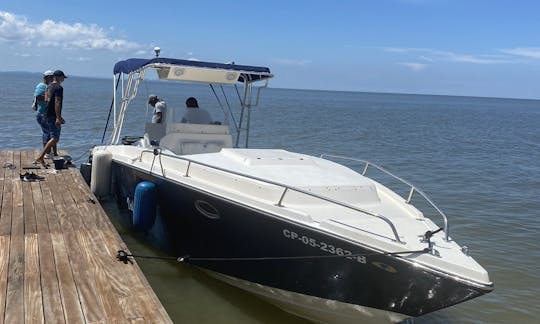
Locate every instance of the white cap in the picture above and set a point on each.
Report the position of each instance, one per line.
(48, 73)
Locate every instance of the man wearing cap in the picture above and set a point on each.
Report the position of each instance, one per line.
(54, 97)
(160, 109)
(41, 105)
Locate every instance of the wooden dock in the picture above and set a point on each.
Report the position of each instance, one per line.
(58, 253)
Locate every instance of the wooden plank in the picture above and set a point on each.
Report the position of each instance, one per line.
(17, 160)
(2, 172)
(52, 303)
(7, 198)
(97, 262)
(139, 303)
(5, 229)
(63, 187)
(42, 225)
(50, 286)
(57, 220)
(139, 286)
(83, 199)
(68, 291)
(28, 208)
(33, 309)
(108, 284)
(108, 279)
(70, 222)
(15, 288)
(25, 158)
(84, 274)
(52, 218)
(62, 213)
(5, 241)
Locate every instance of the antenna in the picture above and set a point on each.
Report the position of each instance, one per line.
(157, 50)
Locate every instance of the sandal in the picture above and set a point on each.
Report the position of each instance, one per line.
(31, 177)
(9, 165)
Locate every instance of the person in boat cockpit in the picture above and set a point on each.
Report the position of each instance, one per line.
(194, 114)
(160, 108)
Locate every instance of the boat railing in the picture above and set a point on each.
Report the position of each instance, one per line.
(286, 188)
(412, 189)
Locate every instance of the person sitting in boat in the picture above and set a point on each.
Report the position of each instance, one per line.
(194, 114)
(160, 108)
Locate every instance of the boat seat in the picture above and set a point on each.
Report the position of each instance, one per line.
(183, 144)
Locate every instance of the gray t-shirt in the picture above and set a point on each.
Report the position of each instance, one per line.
(196, 116)
(161, 107)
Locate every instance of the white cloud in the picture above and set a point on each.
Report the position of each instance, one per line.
(23, 54)
(414, 66)
(530, 52)
(476, 59)
(287, 61)
(419, 2)
(80, 59)
(425, 58)
(433, 55)
(14, 28)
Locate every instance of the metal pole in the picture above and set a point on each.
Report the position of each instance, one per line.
(250, 87)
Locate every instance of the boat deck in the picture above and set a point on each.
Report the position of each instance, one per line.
(58, 253)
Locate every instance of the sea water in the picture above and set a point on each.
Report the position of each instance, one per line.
(478, 159)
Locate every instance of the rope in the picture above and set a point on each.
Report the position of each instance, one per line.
(217, 98)
(221, 105)
(123, 256)
(76, 159)
(229, 107)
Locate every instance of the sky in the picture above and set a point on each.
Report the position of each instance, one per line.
(486, 48)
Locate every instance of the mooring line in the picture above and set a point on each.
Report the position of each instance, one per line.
(123, 256)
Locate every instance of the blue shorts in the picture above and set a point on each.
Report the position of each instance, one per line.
(42, 121)
(54, 130)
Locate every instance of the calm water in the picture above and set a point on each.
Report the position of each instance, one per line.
(477, 158)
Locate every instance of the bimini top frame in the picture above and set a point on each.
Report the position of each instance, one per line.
(195, 71)
(189, 71)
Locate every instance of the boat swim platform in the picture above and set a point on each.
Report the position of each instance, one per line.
(58, 253)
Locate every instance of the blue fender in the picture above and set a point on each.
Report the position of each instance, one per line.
(144, 205)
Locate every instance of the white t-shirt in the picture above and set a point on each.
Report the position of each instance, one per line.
(196, 116)
(161, 107)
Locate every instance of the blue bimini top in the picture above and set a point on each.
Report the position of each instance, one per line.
(251, 73)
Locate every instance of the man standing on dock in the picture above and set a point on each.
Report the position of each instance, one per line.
(54, 97)
(40, 105)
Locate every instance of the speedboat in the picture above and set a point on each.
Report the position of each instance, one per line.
(307, 233)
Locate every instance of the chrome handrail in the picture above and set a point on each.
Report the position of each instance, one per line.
(412, 190)
(286, 188)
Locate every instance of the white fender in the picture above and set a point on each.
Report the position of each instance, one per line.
(100, 181)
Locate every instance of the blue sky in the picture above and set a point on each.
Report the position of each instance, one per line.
(456, 47)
